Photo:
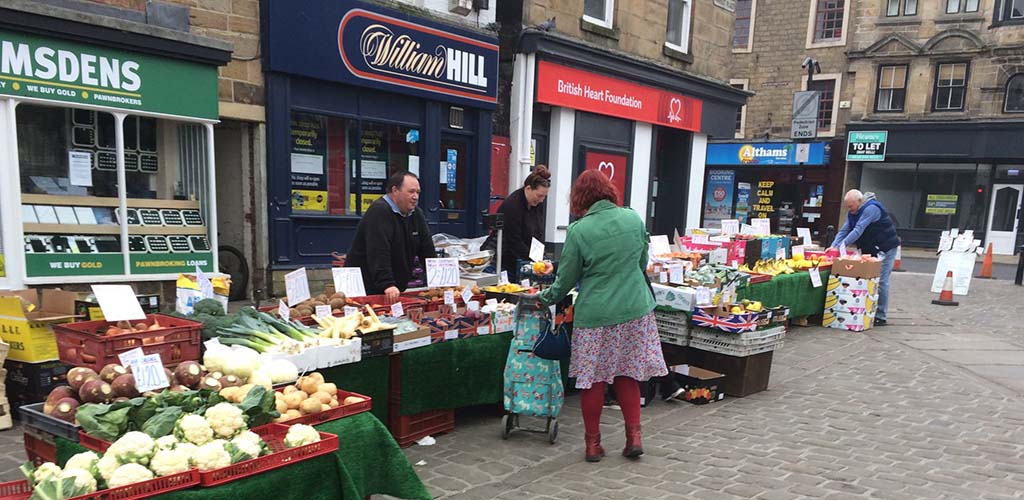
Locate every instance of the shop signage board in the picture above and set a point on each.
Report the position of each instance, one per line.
(169, 263)
(866, 146)
(768, 153)
(941, 204)
(364, 44)
(75, 73)
(614, 166)
(38, 265)
(560, 85)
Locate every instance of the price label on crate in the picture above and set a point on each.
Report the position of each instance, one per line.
(703, 296)
(296, 286)
(525, 283)
(663, 277)
(700, 239)
(449, 297)
(536, 250)
(129, 357)
(467, 295)
(349, 281)
(473, 305)
(503, 279)
(730, 226)
(283, 311)
(397, 310)
(442, 272)
(675, 273)
(451, 334)
(149, 373)
(349, 310)
(780, 253)
(205, 285)
(815, 277)
(323, 311)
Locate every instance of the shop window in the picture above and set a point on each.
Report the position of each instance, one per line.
(1014, 100)
(599, 12)
(892, 88)
(892, 8)
(826, 103)
(743, 30)
(384, 150)
(741, 113)
(828, 20)
(957, 6)
(893, 185)
(946, 196)
(1010, 11)
(677, 34)
(950, 87)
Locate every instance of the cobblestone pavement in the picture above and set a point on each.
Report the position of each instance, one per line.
(877, 415)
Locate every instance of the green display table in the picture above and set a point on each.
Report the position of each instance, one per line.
(456, 374)
(791, 290)
(368, 462)
(368, 377)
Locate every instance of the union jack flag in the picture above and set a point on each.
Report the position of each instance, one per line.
(734, 323)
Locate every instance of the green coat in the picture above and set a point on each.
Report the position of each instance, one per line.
(605, 252)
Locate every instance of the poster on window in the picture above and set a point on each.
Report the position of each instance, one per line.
(742, 202)
(941, 204)
(718, 197)
(308, 159)
(451, 169)
(764, 208)
(613, 165)
(373, 154)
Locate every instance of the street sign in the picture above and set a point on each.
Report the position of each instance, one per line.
(866, 146)
(805, 115)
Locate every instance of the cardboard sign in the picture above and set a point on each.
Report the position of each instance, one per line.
(700, 239)
(349, 281)
(118, 302)
(730, 226)
(780, 253)
(815, 277)
(397, 310)
(660, 245)
(149, 373)
(663, 277)
(467, 295)
(473, 305)
(675, 274)
(503, 279)
(761, 226)
(442, 272)
(805, 234)
(296, 286)
(449, 297)
(718, 256)
(747, 229)
(703, 296)
(536, 250)
(323, 311)
(127, 358)
(349, 310)
(283, 311)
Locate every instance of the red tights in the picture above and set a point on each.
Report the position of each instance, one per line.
(627, 394)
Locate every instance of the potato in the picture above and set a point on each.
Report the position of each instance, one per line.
(293, 414)
(282, 407)
(308, 384)
(334, 403)
(229, 393)
(290, 389)
(244, 390)
(325, 407)
(293, 400)
(351, 400)
(303, 394)
(310, 406)
(329, 388)
(318, 376)
(321, 396)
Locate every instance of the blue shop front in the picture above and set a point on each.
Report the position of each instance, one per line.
(357, 92)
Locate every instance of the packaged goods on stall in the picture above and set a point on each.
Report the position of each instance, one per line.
(188, 292)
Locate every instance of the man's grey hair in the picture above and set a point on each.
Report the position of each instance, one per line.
(854, 194)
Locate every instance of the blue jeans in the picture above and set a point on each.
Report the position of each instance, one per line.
(888, 260)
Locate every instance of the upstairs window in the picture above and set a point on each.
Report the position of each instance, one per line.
(892, 8)
(1014, 100)
(828, 20)
(950, 87)
(892, 88)
(1010, 11)
(599, 12)
(957, 6)
(677, 35)
(743, 31)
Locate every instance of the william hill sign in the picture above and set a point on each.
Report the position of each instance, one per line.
(366, 45)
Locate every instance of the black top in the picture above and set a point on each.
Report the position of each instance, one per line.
(522, 223)
(385, 245)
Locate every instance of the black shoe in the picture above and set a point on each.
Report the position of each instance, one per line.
(880, 322)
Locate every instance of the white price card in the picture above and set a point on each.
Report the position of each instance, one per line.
(659, 245)
(118, 302)
(815, 277)
(451, 334)
(349, 281)
(536, 250)
(718, 256)
(503, 279)
(296, 286)
(780, 253)
(798, 250)
(442, 272)
(805, 234)
(700, 239)
(349, 310)
(675, 274)
(730, 226)
(323, 311)
(129, 357)
(663, 277)
(149, 373)
(397, 310)
(467, 295)
(283, 311)
(449, 297)
(473, 305)
(730, 292)
(747, 229)
(525, 283)
(761, 226)
(703, 296)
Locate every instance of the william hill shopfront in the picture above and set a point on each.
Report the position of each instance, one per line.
(358, 92)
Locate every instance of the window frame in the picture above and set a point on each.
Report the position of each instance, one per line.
(812, 27)
(750, 31)
(742, 84)
(1006, 93)
(878, 87)
(1001, 14)
(685, 29)
(609, 14)
(837, 78)
(935, 87)
(962, 7)
(902, 8)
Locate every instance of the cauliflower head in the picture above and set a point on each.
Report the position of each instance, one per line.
(194, 429)
(300, 435)
(84, 480)
(129, 474)
(166, 442)
(133, 448)
(211, 456)
(188, 449)
(45, 471)
(225, 419)
(168, 462)
(85, 461)
(106, 466)
(245, 446)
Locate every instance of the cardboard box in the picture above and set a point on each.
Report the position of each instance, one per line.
(861, 303)
(845, 320)
(90, 310)
(411, 340)
(855, 268)
(348, 351)
(843, 286)
(700, 385)
(720, 318)
(678, 298)
(27, 319)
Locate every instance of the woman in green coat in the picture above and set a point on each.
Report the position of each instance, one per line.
(615, 338)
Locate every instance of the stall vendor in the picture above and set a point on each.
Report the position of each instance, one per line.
(523, 212)
(391, 236)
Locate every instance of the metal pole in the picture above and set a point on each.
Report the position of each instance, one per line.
(1020, 268)
(497, 268)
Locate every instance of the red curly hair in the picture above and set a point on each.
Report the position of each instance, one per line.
(590, 187)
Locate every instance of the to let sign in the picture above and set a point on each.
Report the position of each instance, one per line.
(866, 146)
(613, 166)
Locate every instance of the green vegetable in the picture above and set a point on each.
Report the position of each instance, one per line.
(107, 421)
(162, 423)
(259, 406)
(154, 416)
(209, 306)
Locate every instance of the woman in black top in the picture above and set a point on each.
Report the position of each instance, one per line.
(523, 212)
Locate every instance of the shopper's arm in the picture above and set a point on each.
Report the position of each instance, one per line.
(871, 214)
(570, 267)
(841, 235)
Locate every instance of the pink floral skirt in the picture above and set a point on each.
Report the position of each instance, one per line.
(631, 349)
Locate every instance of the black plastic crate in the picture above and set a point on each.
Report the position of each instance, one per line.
(378, 343)
(29, 383)
(32, 416)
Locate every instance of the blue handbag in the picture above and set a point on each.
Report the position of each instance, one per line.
(554, 343)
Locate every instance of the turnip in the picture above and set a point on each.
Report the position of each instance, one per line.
(65, 409)
(78, 376)
(96, 391)
(188, 373)
(111, 372)
(124, 386)
(58, 393)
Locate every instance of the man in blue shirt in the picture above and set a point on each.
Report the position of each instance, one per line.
(869, 227)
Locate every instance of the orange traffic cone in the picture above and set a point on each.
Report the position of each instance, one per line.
(897, 267)
(986, 265)
(946, 296)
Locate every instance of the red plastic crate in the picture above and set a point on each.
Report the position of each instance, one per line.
(380, 304)
(20, 490)
(273, 435)
(92, 442)
(80, 345)
(335, 413)
(407, 429)
(435, 304)
(37, 450)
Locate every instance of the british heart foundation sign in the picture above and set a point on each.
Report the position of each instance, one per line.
(613, 166)
(572, 88)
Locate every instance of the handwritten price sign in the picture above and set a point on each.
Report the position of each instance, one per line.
(442, 272)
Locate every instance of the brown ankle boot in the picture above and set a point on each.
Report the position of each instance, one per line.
(594, 451)
(633, 447)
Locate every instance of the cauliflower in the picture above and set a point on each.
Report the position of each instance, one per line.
(301, 434)
(129, 474)
(226, 419)
(211, 456)
(166, 443)
(85, 461)
(194, 429)
(45, 471)
(106, 466)
(84, 480)
(188, 449)
(134, 447)
(245, 446)
(167, 462)
(249, 436)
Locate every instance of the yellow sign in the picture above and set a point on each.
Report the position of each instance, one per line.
(309, 201)
(368, 199)
(747, 154)
(3, 269)
(941, 204)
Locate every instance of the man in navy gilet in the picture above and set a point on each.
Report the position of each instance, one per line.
(869, 227)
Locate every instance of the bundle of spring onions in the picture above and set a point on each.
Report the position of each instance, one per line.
(262, 332)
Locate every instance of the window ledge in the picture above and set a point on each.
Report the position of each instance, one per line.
(1008, 22)
(972, 17)
(898, 21)
(953, 113)
(827, 43)
(598, 29)
(674, 53)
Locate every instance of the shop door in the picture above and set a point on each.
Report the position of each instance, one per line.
(1004, 218)
(453, 189)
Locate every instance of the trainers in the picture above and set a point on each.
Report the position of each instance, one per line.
(880, 322)
(674, 395)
